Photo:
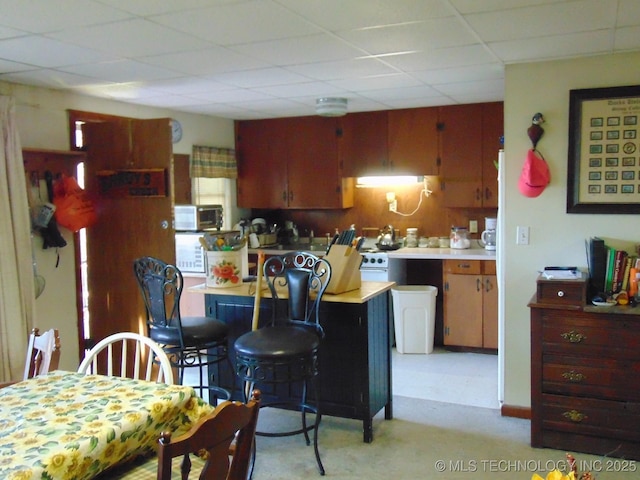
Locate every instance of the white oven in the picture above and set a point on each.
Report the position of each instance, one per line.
(376, 267)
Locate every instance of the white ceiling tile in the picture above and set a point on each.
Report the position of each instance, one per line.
(476, 87)
(543, 20)
(461, 74)
(209, 61)
(185, 85)
(47, 53)
(260, 77)
(350, 68)
(443, 58)
(155, 7)
(300, 50)
(318, 89)
(247, 22)
(554, 46)
(475, 6)
(130, 38)
(400, 81)
(416, 36)
(230, 96)
(627, 38)
(334, 15)
(50, 79)
(121, 71)
(54, 15)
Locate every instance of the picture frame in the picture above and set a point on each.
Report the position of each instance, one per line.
(603, 174)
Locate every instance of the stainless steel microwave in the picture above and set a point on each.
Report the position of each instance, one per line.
(193, 218)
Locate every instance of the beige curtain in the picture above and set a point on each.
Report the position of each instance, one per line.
(17, 291)
(213, 162)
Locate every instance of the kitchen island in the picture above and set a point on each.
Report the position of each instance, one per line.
(355, 355)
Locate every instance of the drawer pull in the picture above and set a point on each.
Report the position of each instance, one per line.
(560, 293)
(574, 416)
(573, 336)
(574, 376)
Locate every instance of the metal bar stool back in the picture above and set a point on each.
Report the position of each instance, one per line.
(285, 350)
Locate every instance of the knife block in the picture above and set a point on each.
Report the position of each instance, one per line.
(345, 269)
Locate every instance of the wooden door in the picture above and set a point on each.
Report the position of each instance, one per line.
(492, 131)
(461, 168)
(313, 171)
(413, 141)
(129, 226)
(363, 147)
(463, 310)
(262, 164)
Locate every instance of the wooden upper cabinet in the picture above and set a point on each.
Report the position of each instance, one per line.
(413, 141)
(363, 146)
(181, 179)
(492, 134)
(290, 163)
(470, 143)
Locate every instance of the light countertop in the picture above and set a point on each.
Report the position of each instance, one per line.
(367, 291)
(442, 254)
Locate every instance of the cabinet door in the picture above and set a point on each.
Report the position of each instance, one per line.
(463, 310)
(492, 131)
(461, 155)
(490, 311)
(413, 141)
(262, 168)
(363, 147)
(313, 171)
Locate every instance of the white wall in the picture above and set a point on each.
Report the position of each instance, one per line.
(556, 238)
(43, 123)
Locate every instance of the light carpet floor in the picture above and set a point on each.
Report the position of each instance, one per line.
(425, 440)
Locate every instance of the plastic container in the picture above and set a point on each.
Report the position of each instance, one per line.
(460, 238)
(414, 313)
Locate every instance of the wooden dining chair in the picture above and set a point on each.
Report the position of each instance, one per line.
(225, 437)
(111, 357)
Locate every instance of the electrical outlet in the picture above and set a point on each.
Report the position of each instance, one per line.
(393, 206)
(522, 235)
(473, 226)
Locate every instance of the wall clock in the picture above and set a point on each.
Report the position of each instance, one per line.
(176, 131)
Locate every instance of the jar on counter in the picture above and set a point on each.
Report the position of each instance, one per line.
(459, 238)
(411, 240)
(444, 242)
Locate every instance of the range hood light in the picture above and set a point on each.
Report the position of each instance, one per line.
(384, 180)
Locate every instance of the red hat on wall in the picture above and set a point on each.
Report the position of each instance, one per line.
(535, 175)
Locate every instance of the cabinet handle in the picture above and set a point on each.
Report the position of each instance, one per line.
(560, 293)
(478, 194)
(291, 196)
(573, 336)
(464, 265)
(487, 193)
(478, 284)
(284, 195)
(574, 416)
(574, 376)
(487, 285)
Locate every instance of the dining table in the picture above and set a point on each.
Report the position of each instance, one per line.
(72, 426)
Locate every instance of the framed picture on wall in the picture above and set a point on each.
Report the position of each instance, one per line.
(604, 150)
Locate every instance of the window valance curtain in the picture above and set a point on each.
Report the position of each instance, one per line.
(213, 162)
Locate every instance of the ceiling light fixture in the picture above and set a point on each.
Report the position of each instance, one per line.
(331, 106)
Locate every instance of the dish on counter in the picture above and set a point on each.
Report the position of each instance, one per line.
(604, 304)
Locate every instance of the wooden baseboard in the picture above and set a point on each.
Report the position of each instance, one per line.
(517, 412)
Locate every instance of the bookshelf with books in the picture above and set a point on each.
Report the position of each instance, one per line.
(613, 271)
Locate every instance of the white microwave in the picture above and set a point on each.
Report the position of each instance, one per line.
(193, 218)
(189, 253)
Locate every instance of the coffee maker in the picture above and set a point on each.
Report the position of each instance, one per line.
(489, 235)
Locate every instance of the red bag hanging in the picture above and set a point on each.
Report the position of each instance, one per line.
(74, 208)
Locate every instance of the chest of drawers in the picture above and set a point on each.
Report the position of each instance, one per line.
(585, 377)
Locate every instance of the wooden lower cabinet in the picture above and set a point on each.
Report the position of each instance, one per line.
(470, 304)
(355, 355)
(585, 378)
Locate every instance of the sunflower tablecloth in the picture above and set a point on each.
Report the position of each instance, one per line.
(71, 426)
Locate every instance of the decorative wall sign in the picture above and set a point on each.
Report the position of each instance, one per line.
(604, 153)
(133, 183)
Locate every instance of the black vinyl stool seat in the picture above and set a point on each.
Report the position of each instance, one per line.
(200, 342)
(285, 351)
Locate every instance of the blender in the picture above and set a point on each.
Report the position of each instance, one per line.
(489, 235)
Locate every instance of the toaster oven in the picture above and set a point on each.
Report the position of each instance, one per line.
(194, 218)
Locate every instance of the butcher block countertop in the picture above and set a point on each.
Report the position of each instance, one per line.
(366, 292)
(442, 254)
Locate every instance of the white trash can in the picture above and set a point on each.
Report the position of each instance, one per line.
(414, 312)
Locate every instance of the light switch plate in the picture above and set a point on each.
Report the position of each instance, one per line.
(522, 235)
(473, 226)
